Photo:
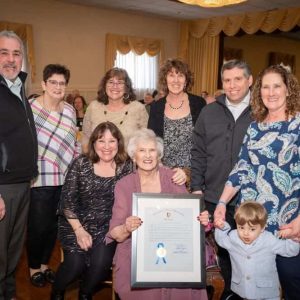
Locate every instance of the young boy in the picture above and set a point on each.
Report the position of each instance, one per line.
(253, 252)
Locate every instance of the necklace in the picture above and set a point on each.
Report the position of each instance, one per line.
(178, 107)
(122, 121)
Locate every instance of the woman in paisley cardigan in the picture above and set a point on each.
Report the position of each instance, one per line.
(268, 167)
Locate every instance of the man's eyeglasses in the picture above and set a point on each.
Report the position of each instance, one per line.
(116, 83)
(57, 83)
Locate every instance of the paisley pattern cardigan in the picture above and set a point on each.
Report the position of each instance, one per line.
(268, 169)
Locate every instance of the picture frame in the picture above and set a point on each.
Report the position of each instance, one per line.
(168, 249)
(232, 53)
(284, 59)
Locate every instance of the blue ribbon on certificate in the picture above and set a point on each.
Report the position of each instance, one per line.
(161, 253)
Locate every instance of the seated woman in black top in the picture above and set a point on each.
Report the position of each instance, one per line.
(85, 210)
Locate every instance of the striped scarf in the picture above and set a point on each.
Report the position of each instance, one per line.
(56, 133)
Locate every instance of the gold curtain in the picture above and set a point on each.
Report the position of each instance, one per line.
(125, 44)
(199, 39)
(24, 31)
(203, 59)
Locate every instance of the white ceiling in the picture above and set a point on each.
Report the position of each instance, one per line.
(176, 10)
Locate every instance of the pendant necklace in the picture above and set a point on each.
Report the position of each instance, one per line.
(178, 107)
(122, 121)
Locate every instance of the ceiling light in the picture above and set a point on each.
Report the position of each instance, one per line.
(212, 3)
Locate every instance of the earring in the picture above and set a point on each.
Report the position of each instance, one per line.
(126, 96)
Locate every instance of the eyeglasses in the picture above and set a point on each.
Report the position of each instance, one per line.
(57, 83)
(116, 83)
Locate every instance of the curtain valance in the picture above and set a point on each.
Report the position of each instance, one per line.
(24, 31)
(199, 39)
(267, 21)
(125, 43)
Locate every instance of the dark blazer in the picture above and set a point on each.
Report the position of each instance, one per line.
(156, 117)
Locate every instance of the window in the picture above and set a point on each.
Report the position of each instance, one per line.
(142, 69)
(25, 65)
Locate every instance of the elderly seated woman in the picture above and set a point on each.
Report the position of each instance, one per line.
(146, 150)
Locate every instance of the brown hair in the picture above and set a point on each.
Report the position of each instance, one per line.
(252, 213)
(121, 74)
(98, 132)
(84, 105)
(259, 111)
(52, 69)
(180, 67)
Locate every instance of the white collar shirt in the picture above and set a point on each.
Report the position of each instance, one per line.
(237, 109)
(15, 87)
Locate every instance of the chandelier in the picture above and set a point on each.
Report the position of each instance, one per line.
(212, 3)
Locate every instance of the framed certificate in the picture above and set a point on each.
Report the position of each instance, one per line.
(168, 249)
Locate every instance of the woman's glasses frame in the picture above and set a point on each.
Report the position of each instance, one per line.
(56, 83)
(118, 83)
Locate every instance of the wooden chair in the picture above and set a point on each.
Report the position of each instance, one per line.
(213, 272)
(215, 279)
(110, 283)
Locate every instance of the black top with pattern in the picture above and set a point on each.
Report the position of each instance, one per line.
(178, 142)
(79, 123)
(89, 198)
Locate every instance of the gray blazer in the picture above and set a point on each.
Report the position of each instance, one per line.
(254, 272)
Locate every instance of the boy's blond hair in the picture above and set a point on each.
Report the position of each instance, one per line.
(252, 213)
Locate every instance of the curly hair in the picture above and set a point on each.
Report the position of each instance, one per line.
(120, 74)
(98, 132)
(145, 135)
(259, 110)
(180, 67)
